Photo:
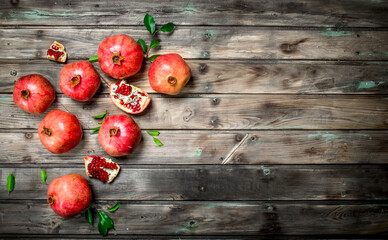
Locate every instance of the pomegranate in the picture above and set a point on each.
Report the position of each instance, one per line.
(101, 168)
(60, 131)
(57, 52)
(120, 56)
(169, 73)
(33, 93)
(129, 98)
(119, 135)
(69, 195)
(79, 80)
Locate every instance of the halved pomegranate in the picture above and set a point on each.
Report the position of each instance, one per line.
(101, 168)
(57, 52)
(129, 98)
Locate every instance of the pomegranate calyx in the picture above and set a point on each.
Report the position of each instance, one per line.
(74, 81)
(50, 199)
(113, 131)
(117, 58)
(25, 93)
(171, 80)
(47, 131)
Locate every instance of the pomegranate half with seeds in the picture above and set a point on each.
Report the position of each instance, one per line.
(119, 135)
(101, 168)
(129, 98)
(69, 195)
(33, 93)
(60, 131)
(169, 73)
(79, 80)
(120, 56)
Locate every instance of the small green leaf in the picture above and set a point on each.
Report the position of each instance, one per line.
(153, 57)
(155, 43)
(95, 128)
(96, 132)
(142, 44)
(102, 229)
(99, 116)
(10, 183)
(169, 27)
(149, 23)
(93, 59)
(153, 133)
(89, 216)
(158, 142)
(43, 175)
(102, 120)
(112, 209)
(105, 219)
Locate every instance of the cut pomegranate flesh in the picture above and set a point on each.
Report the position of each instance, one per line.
(129, 98)
(101, 168)
(57, 52)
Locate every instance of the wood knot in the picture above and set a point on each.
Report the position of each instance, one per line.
(203, 68)
(188, 115)
(28, 135)
(13, 73)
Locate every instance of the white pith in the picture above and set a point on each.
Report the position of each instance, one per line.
(127, 99)
(112, 172)
(61, 49)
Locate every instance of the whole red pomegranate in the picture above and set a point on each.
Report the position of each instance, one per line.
(33, 93)
(119, 135)
(169, 73)
(79, 80)
(120, 56)
(69, 195)
(60, 131)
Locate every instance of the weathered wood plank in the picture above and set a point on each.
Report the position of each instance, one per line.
(206, 43)
(229, 12)
(199, 218)
(221, 182)
(225, 112)
(214, 147)
(244, 76)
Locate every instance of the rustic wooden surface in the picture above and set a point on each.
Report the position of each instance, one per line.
(280, 134)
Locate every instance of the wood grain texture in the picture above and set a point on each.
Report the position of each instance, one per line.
(206, 43)
(222, 182)
(224, 112)
(247, 12)
(212, 218)
(213, 147)
(238, 76)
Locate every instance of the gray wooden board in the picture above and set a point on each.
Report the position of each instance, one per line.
(217, 182)
(205, 43)
(248, 12)
(237, 76)
(212, 147)
(212, 218)
(224, 112)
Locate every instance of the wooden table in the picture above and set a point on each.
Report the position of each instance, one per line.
(282, 129)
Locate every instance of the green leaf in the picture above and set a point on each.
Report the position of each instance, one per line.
(153, 133)
(158, 142)
(149, 23)
(105, 219)
(102, 229)
(10, 183)
(112, 209)
(89, 216)
(99, 116)
(93, 59)
(96, 132)
(43, 175)
(155, 43)
(169, 27)
(95, 128)
(102, 120)
(153, 57)
(142, 44)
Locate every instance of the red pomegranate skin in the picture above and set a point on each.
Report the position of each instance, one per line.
(84, 72)
(169, 73)
(60, 131)
(130, 52)
(119, 135)
(69, 195)
(33, 93)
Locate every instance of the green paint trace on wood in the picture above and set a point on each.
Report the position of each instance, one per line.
(365, 54)
(36, 14)
(369, 84)
(190, 9)
(331, 33)
(330, 136)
